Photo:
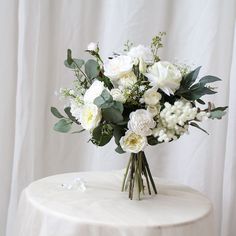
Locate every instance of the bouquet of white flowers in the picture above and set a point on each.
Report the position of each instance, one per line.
(139, 100)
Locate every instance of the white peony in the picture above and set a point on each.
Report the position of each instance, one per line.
(118, 95)
(141, 122)
(90, 116)
(165, 76)
(92, 46)
(127, 80)
(117, 67)
(151, 97)
(141, 52)
(133, 142)
(94, 91)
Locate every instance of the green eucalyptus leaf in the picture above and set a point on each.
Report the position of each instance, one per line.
(201, 101)
(197, 126)
(56, 113)
(217, 113)
(196, 92)
(118, 132)
(190, 78)
(112, 115)
(92, 69)
(70, 116)
(119, 106)
(119, 149)
(208, 79)
(105, 99)
(76, 64)
(102, 134)
(63, 125)
(78, 131)
(152, 140)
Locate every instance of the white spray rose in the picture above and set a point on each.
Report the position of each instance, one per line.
(90, 116)
(165, 76)
(154, 110)
(92, 46)
(95, 90)
(133, 142)
(141, 52)
(142, 66)
(117, 67)
(127, 80)
(141, 122)
(118, 95)
(151, 97)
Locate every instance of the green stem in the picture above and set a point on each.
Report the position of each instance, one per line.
(146, 177)
(126, 172)
(149, 173)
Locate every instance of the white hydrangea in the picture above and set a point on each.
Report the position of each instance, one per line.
(177, 114)
(173, 120)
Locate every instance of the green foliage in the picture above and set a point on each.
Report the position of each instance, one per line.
(102, 134)
(217, 113)
(191, 90)
(73, 63)
(70, 116)
(78, 131)
(63, 125)
(112, 114)
(119, 150)
(156, 44)
(152, 140)
(92, 69)
(104, 100)
(111, 110)
(197, 126)
(106, 81)
(56, 113)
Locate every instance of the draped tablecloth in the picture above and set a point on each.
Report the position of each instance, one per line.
(48, 208)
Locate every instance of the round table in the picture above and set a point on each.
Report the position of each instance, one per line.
(46, 208)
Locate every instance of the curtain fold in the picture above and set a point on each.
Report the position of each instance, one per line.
(34, 38)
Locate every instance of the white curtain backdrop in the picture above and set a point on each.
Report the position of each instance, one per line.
(35, 35)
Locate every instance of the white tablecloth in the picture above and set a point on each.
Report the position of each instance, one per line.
(48, 209)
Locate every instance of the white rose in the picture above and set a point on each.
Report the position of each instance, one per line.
(165, 76)
(133, 142)
(117, 67)
(154, 110)
(118, 95)
(90, 116)
(94, 91)
(127, 80)
(141, 122)
(151, 97)
(141, 52)
(142, 66)
(92, 46)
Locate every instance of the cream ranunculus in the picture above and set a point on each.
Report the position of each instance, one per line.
(127, 80)
(95, 90)
(117, 67)
(141, 52)
(141, 122)
(165, 76)
(151, 97)
(90, 116)
(118, 95)
(133, 142)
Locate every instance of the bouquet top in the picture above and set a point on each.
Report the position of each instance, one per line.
(135, 97)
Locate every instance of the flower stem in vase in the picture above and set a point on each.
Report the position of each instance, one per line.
(136, 172)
